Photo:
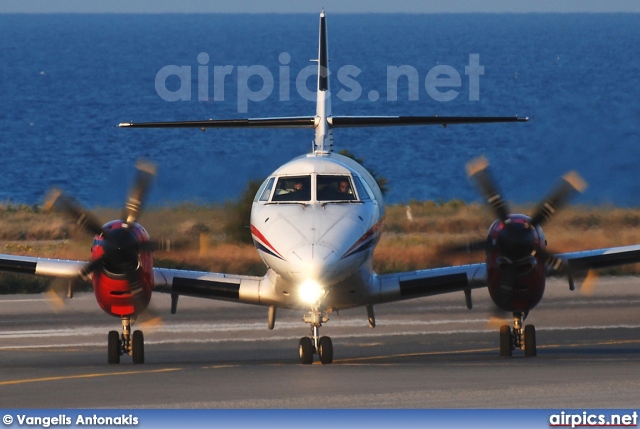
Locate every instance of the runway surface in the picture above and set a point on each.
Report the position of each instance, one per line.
(426, 353)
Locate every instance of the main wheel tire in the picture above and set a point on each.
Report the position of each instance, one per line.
(530, 341)
(325, 350)
(114, 347)
(137, 347)
(305, 350)
(506, 342)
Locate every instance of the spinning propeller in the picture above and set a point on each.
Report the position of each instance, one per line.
(121, 247)
(516, 239)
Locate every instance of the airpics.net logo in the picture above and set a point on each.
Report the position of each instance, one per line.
(257, 83)
(586, 419)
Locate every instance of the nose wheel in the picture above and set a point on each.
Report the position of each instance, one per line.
(518, 338)
(315, 344)
(125, 343)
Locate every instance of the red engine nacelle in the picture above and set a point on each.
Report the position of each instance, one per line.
(124, 282)
(516, 276)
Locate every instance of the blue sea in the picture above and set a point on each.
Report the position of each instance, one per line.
(68, 80)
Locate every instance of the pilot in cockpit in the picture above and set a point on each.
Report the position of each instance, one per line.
(293, 189)
(343, 187)
(344, 191)
(334, 188)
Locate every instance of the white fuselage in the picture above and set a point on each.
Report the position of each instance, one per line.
(318, 235)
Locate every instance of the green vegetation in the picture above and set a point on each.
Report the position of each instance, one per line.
(239, 214)
(13, 283)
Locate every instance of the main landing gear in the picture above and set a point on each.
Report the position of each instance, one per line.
(518, 338)
(126, 343)
(315, 344)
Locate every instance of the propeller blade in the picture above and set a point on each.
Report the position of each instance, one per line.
(554, 262)
(589, 283)
(477, 170)
(149, 319)
(138, 193)
(91, 267)
(166, 245)
(60, 289)
(570, 184)
(498, 317)
(572, 270)
(54, 296)
(58, 200)
(145, 315)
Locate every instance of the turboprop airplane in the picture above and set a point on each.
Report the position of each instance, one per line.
(315, 222)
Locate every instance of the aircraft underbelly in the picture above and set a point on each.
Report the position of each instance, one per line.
(357, 289)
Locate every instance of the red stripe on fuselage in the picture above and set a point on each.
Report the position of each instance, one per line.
(264, 241)
(367, 235)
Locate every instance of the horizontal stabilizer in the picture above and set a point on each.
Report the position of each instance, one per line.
(388, 121)
(334, 122)
(293, 122)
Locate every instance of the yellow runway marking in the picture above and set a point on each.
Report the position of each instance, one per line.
(594, 343)
(493, 349)
(220, 366)
(71, 377)
(416, 354)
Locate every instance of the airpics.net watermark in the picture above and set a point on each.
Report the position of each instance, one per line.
(257, 83)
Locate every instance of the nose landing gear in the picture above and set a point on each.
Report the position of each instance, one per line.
(315, 344)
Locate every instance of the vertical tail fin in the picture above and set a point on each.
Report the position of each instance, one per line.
(324, 137)
(323, 56)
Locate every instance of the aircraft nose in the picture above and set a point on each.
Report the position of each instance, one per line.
(314, 262)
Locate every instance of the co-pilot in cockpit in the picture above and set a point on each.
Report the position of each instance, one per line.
(334, 188)
(296, 188)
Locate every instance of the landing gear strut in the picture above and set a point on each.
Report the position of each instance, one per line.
(126, 343)
(315, 344)
(518, 338)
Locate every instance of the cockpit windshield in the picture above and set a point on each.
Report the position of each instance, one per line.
(293, 188)
(328, 188)
(334, 188)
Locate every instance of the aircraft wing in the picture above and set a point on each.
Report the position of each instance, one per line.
(601, 258)
(201, 284)
(392, 287)
(41, 266)
(429, 282)
(191, 283)
(437, 281)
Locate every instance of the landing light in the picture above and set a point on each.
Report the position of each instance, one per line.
(311, 292)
